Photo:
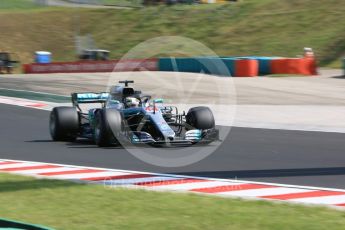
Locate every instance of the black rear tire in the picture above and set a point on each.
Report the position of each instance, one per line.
(200, 118)
(64, 123)
(107, 128)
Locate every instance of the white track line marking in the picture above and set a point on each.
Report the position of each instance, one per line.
(147, 180)
(21, 102)
(87, 175)
(17, 165)
(6, 162)
(264, 192)
(195, 185)
(33, 104)
(338, 199)
(37, 171)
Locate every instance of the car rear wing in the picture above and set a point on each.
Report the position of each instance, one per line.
(84, 98)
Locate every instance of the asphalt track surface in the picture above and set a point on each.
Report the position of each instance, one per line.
(279, 156)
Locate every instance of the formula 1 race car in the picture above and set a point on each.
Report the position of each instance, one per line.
(128, 116)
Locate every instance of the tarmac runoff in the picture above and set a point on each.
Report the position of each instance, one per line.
(326, 89)
(289, 103)
(285, 117)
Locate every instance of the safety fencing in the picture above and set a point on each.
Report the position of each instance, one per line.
(250, 66)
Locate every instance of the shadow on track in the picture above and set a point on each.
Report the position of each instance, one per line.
(78, 144)
(339, 77)
(39, 141)
(269, 173)
(88, 144)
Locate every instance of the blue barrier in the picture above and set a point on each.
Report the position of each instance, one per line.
(230, 64)
(212, 65)
(208, 65)
(179, 64)
(264, 65)
(165, 64)
(189, 65)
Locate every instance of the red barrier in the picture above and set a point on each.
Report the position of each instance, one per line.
(303, 66)
(246, 68)
(311, 65)
(93, 66)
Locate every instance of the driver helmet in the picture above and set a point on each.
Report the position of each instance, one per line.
(132, 102)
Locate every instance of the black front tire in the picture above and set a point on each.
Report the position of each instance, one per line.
(200, 118)
(64, 123)
(107, 128)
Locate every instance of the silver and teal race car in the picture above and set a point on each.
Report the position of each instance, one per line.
(126, 116)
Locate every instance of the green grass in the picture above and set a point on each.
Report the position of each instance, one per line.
(131, 3)
(35, 95)
(18, 4)
(249, 27)
(65, 205)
